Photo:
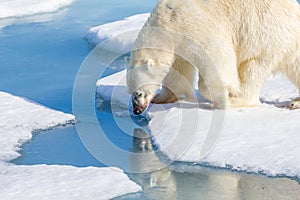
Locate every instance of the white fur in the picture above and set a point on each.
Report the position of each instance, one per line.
(235, 46)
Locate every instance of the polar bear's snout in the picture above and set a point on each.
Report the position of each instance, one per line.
(143, 82)
(139, 102)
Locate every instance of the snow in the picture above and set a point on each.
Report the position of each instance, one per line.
(263, 139)
(114, 91)
(18, 119)
(63, 182)
(12, 11)
(119, 35)
(19, 8)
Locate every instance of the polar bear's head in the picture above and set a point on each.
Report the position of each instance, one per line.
(143, 81)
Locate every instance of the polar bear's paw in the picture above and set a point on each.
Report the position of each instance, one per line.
(240, 102)
(295, 104)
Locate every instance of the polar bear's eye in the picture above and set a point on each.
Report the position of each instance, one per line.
(139, 93)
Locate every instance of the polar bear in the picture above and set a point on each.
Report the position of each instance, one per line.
(232, 46)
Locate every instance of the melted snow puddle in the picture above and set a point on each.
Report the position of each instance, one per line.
(62, 146)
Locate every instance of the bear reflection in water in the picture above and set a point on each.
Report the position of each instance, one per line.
(141, 141)
(173, 182)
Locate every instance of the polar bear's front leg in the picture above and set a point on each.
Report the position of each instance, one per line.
(253, 73)
(293, 73)
(165, 96)
(177, 84)
(219, 80)
(214, 90)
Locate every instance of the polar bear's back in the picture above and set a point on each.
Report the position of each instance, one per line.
(252, 27)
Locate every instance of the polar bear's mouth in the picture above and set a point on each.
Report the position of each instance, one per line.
(138, 109)
(140, 100)
(139, 103)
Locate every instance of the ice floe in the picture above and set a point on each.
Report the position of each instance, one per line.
(119, 35)
(263, 139)
(18, 119)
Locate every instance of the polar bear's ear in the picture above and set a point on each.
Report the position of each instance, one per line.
(150, 64)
